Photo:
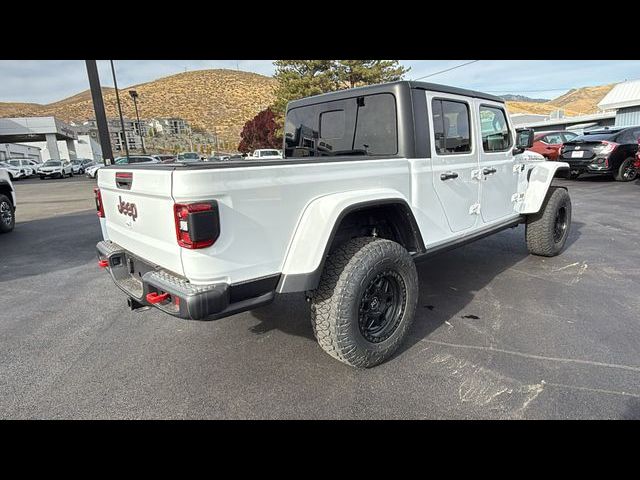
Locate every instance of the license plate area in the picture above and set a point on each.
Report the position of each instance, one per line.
(577, 154)
(127, 272)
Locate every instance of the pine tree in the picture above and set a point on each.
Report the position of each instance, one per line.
(304, 78)
(356, 73)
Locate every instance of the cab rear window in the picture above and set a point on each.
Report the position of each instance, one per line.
(364, 125)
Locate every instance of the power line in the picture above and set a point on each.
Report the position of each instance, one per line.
(446, 70)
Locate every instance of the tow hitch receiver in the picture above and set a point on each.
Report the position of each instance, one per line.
(153, 297)
(135, 305)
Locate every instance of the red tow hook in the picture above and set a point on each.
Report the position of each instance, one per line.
(153, 297)
(103, 263)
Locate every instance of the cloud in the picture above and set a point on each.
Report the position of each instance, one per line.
(46, 81)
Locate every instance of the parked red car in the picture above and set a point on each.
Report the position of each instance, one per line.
(548, 144)
(637, 163)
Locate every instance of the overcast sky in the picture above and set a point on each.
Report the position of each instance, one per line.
(46, 81)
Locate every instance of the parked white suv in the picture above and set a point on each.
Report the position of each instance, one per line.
(13, 172)
(55, 169)
(7, 202)
(23, 164)
(343, 216)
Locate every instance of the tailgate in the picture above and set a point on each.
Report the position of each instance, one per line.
(139, 216)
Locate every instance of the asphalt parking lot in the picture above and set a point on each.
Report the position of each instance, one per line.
(498, 333)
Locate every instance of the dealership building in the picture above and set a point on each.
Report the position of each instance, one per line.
(17, 150)
(51, 136)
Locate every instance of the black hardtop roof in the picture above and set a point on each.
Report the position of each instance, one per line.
(392, 87)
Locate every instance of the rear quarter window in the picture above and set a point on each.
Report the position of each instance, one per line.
(357, 126)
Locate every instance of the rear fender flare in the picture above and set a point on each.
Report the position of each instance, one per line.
(315, 231)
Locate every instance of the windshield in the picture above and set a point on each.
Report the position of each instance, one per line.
(52, 164)
(597, 137)
(121, 160)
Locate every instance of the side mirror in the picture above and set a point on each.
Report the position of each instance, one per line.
(524, 140)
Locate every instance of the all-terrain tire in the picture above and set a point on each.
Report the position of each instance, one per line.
(547, 230)
(573, 176)
(7, 215)
(622, 175)
(337, 303)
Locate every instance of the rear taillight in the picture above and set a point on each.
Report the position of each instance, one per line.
(197, 224)
(99, 206)
(605, 148)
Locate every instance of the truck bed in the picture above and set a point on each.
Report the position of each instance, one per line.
(260, 206)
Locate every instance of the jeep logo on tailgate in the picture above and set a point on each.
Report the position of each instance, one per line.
(127, 208)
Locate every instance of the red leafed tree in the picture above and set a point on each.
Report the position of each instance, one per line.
(260, 132)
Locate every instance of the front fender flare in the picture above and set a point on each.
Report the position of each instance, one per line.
(315, 230)
(540, 178)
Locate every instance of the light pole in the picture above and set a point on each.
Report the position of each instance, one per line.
(124, 134)
(98, 106)
(134, 95)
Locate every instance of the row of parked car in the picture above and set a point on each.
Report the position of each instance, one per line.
(188, 157)
(604, 151)
(18, 168)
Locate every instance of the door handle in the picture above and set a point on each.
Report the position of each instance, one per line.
(489, 171)
(448, 175)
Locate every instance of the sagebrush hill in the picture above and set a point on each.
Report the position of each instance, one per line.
(210, 100)
(577, 101)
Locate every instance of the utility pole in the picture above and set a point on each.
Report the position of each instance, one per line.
(98, 108)
(124, 134)
(135, 95)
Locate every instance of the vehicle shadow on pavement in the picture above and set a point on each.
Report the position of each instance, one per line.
(448, 283)
(41, 246)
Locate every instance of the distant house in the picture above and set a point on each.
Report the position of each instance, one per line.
(170, 126)
(624, 98)
(133, 132)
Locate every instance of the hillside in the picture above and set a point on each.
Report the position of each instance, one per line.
(577, 101)
(220, 100)
(522, 98)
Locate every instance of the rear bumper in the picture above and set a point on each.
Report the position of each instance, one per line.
(142, 282)
(588, 166)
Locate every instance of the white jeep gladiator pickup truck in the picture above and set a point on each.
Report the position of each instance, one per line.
(373, 179)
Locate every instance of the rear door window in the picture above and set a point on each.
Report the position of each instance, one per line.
(451, 126)
(568, 136)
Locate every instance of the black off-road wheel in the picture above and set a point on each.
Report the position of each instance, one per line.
(7, 215)
(365, 302)
(627, 171)
(573, 176)
(547, 230)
